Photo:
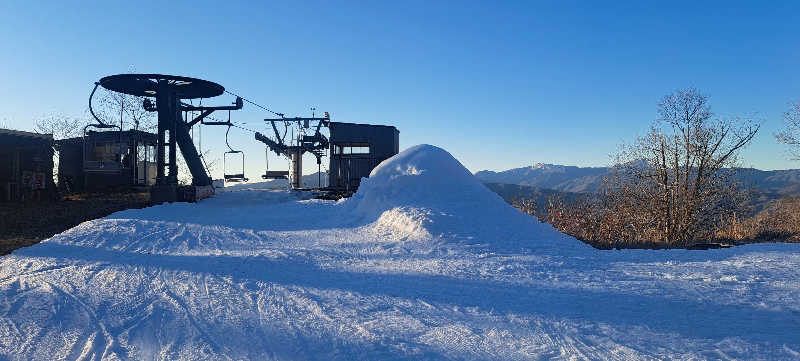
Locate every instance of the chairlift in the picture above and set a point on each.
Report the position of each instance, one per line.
(232, 177)
(274, 174)
(100, 165)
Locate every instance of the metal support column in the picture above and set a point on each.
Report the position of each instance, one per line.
(162, 102)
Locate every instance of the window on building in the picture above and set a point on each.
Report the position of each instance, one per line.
(108, 154)
(103, 152)
(351, 149)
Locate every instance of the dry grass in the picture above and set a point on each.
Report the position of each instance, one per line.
(606, 227)
(779, 222)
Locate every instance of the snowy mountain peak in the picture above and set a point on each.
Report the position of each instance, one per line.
(549, 176)
(545, 166)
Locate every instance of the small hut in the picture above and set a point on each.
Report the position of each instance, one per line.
(108, 160)
(26, 166)
(356, 149)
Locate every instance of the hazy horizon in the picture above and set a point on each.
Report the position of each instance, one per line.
(605, 166)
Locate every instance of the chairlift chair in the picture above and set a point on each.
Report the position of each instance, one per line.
(273, 174)
(233, 177)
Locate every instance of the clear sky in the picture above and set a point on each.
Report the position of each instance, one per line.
(498, 84)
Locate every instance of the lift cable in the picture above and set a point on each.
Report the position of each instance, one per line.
(254, 103)
(286, 123)
(243, 128)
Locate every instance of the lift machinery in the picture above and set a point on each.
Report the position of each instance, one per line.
(168, 91)
(316, 144)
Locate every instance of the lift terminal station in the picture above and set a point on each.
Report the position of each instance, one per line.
(353, 150)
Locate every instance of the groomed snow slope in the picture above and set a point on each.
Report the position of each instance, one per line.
(422, 263)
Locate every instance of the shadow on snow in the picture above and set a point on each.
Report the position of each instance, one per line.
(691, 319)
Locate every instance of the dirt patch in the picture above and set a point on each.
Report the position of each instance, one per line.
(26, 224)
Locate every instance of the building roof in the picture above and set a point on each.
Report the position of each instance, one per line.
(112, 135)
(20, 133)
(363, 125)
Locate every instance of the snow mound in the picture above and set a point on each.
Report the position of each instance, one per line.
(426, 193)
(423, 175)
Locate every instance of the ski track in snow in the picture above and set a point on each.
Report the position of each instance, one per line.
(422, 263)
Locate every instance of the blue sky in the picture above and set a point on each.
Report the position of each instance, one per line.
(498, 84)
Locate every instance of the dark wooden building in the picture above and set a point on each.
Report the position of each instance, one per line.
(26, 166)
(356, 149)
(108, 159)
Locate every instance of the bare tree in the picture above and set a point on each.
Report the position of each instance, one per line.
(125, 110)
(526, 205)
(675, 183)
(791, 135)
(184, 176)
(60, 126)
(111, 107)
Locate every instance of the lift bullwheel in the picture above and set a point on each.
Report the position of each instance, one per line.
(168, 91)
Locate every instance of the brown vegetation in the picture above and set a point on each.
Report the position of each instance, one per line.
(779, 222)
(596, 222)
(25, 224)
(671, 188)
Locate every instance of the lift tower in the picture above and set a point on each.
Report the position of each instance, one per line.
(316, 144)
(168, 91)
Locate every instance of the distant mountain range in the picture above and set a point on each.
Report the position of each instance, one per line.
(549, 176)
(771, 184)
(513, 192)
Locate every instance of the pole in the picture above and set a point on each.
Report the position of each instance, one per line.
(163, 116)
(173, 138)
(121, 109)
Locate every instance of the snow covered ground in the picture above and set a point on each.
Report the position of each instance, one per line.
(422, 263)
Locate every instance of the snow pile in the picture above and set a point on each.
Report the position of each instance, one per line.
(426, 193)
(422, 263)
